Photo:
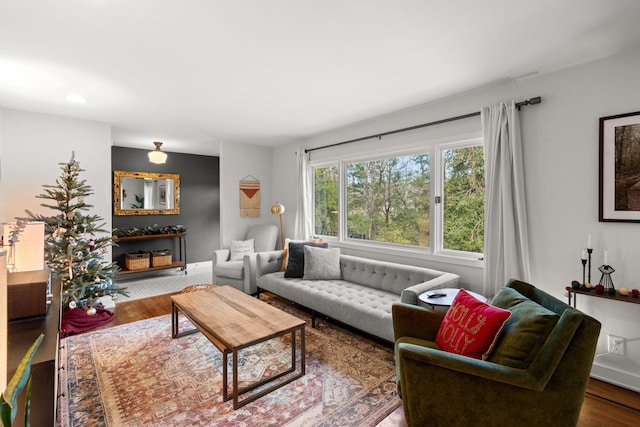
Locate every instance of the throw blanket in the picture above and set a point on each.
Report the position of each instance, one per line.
(77, 320)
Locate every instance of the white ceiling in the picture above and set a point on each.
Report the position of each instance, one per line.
(193, 73)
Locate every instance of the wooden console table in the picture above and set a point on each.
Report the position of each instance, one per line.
(573, 294)
(182, 244)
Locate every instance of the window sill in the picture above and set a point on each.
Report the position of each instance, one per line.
(404, 252)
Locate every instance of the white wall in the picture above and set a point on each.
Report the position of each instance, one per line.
(560, 138)
(32, 146)
(4, 316)
(237, 162)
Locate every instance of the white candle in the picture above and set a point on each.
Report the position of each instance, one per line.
(589, 242)
(584, 254)
(605, 257)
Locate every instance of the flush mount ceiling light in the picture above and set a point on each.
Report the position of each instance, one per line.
(157, 156)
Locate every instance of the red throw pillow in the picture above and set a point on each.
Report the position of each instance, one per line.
(471, 326)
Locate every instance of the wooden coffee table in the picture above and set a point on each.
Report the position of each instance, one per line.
(233, 320)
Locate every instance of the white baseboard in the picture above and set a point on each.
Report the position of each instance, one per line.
(615, 369)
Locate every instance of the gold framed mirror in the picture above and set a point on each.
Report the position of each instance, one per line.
(146, 193)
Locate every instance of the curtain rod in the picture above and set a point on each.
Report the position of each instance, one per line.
(532, 101)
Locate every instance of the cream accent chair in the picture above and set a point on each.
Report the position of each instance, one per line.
(242, 274)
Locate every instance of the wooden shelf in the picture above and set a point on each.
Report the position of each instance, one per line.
(180, 263)
(177, 264)
(591, 292)
(147, 237)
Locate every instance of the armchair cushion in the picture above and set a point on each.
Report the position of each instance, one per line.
(231, 269)
(525, 332)
(471, 327)
(240, 248)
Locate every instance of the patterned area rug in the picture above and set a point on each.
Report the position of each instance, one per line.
(136, 375)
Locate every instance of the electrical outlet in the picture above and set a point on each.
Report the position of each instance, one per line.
(617, 345)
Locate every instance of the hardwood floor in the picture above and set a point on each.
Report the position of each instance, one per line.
(132, 311)
(605, 405)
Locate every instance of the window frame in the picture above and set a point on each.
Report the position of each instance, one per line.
(435, 250)
(438, 208)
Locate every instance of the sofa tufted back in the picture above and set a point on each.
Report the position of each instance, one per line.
(387, 276)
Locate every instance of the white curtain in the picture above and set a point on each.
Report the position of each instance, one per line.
(506, 242)
(150, 189)
(303, 228)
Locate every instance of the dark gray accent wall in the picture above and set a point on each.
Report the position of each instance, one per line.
(199, 203)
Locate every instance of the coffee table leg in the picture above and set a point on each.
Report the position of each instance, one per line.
(293, 350)
(303, 354)
(235, 395)
(235, 379)
(225, 384)
(174, 320)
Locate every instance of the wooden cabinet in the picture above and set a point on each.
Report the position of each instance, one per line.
(44, 368)
(151, 244)
(27, 293)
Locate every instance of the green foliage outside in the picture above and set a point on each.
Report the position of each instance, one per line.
(326, 200)
(464, 199)
(388, 200)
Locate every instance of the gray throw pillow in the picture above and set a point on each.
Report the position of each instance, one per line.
(321, 264)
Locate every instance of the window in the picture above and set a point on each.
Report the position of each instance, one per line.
(463, 204)
(326, 200)
(406, 199)
(388, 200)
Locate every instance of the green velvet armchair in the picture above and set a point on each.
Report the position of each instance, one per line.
(529, 379)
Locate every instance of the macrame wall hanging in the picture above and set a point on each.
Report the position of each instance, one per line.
(249, 196)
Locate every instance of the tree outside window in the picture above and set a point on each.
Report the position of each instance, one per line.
(388, 200)
(463, 210)
(326, 200)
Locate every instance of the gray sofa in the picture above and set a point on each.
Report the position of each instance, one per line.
(362, 298)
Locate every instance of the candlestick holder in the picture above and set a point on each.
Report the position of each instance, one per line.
(605, 279)
(589, 251)
(584, 267)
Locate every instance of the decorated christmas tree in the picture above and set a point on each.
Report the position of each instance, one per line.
(75, 242)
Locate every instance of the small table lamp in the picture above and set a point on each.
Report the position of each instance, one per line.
(278, 209)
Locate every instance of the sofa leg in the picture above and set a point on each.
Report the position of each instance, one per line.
(313, 319)
(258, 293)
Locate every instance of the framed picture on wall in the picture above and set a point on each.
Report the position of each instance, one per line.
(620, 168)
